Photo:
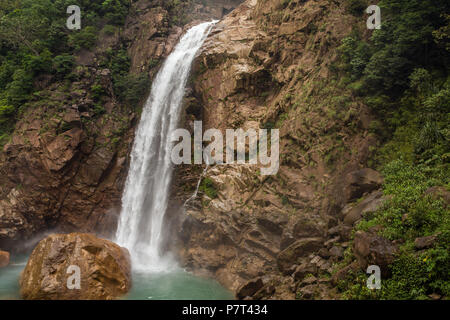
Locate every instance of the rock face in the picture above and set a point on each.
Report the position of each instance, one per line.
(370, 249)
(105, 269)
(250, 288)
(360, 182)
(4, 258)
(66, 163)
(267, 65)
(371, 203)
(424, 242)
(301, 248)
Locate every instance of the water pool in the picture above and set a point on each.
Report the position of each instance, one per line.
(176, 285)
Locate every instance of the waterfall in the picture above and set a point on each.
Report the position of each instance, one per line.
(145, 198)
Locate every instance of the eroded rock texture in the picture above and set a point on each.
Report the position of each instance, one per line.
(66, 163)
(105, 269)
(267, 65)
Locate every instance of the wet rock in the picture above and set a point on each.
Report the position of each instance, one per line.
(4, 258)
(104, 269)
(371, 249)
(250, 288)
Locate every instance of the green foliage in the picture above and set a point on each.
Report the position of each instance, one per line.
(18, 90)
(401, 74)
(118, 62)
(85, 38)
(356, 7)
(404, 42)
(406, 184)
(98, 109)
(407, 215)
(131, 88)
(6, 112)
(97, 91)
(115, 11)
(109, 29)
(63, 64)
(207, 187)
(35, 41)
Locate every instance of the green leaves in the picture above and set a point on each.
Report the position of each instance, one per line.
(131, 88)
(404, 42)
(63, 63)
(34, 41)
(83, 39)
(5, 112)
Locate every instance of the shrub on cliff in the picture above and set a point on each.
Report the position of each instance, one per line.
(402, 74)
(35, 42)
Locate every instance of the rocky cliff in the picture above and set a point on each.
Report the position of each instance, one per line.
(269, 64)
(66, 162)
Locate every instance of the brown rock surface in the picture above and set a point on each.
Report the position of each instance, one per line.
(301, 248)
(424, 242)
(105, 269)
(371, 249)
(250, 288)
(4, 258)
(371, 203)
(360, 182)
(266, 65)
(66, 163)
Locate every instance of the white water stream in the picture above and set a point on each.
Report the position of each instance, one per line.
(146, 194)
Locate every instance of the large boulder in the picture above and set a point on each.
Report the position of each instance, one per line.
(4, 258)
(51, 271)
(370, 249)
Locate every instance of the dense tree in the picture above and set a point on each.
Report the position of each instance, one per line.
(34, 40)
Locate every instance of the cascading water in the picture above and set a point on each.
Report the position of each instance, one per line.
(144, 201)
